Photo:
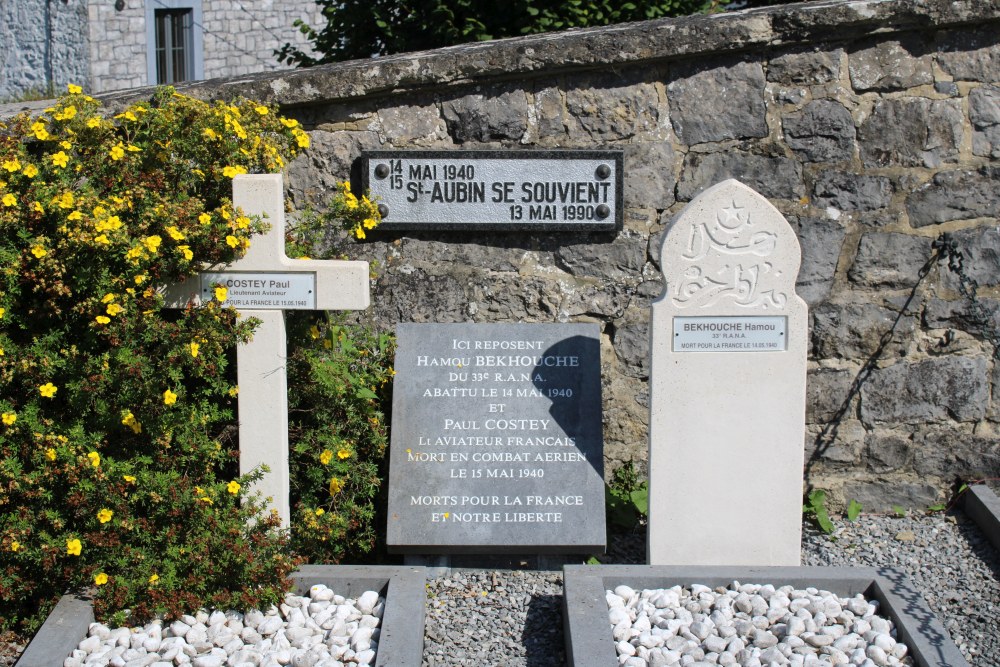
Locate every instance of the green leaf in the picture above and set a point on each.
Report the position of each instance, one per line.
(593, 561)
(853, 510)
(899, 511)
(937, 508)
(640, 499)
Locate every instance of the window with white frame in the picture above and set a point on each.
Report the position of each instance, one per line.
(173, 41)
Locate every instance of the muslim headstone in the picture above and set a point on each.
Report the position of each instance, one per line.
(263, 284)
(497, 441)
(727, 386)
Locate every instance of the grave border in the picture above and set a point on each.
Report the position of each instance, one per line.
(401, 638)
(982, 505)
(589, 642)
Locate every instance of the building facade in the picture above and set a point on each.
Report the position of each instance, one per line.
(106, 45)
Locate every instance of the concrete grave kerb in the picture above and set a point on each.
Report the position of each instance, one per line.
(261, 372)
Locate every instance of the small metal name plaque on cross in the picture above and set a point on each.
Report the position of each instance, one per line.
(497, 190)
(263, 291)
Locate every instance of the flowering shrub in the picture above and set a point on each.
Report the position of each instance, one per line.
(118, 452)
(339, 378)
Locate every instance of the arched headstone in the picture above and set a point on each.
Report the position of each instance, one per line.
(728, 346)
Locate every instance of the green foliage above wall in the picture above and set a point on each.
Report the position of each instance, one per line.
(365, 28)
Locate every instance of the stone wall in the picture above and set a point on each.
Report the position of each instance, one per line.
(873, 126)
(41, 41)
(102, 48)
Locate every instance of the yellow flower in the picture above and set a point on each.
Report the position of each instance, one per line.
(39, 252)
(114, 309)
(66, 145)
(221, 294)
(37, 207)
(15, 545)
(232, 241)
(94, 122)
(234, 392)
(75, 215)
(242, 222)
(60, 159)
(370, 223)
(104, 515)
(12, 165)
(343, 454)
(9, 418)
(152, 242)
(335, 486)
(9, 200)
(233, 487)
(230, 172)
(73, 547)
(209, 133)
(169, 397)
(50, 454)
(100, 579)
(205, 218)
(262, 110)
(154, 578)
(175, 233)
(301, 138)
(320, 511)
(128, 419)
(102, 239)
(102, 319)
(186, 251)
(117, 152)
(30, 171)
(359, 232)
(133, 149)
(108, 298)
(39, 131)
(129, 478)
(65, 201)
(74, 89)
(95, 459)
(2, 312)
(289, 122)
(68, 113)
(326, 456)
(194, 348)
(48, 390)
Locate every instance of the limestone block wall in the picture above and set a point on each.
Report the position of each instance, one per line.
(41, 40)
(873, 126)
(102, 48)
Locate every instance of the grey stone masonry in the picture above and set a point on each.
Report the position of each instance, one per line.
(873, 126)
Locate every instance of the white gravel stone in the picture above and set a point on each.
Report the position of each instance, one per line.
(800, 628)
(286, 635)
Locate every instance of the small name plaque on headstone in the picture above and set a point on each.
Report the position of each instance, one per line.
(729, 334)
(538, 190)
(496, 440)
(263, 291)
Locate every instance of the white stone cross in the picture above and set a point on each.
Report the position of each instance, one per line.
(728, 342)
(263, 284)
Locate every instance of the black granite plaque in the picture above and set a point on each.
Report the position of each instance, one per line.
(497, 190)
(496, 440)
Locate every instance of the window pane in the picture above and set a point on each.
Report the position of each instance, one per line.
(174, 40)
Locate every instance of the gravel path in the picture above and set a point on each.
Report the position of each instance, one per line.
(514, 618)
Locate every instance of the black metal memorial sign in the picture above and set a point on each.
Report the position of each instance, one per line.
(496, 440)
(497, 190)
